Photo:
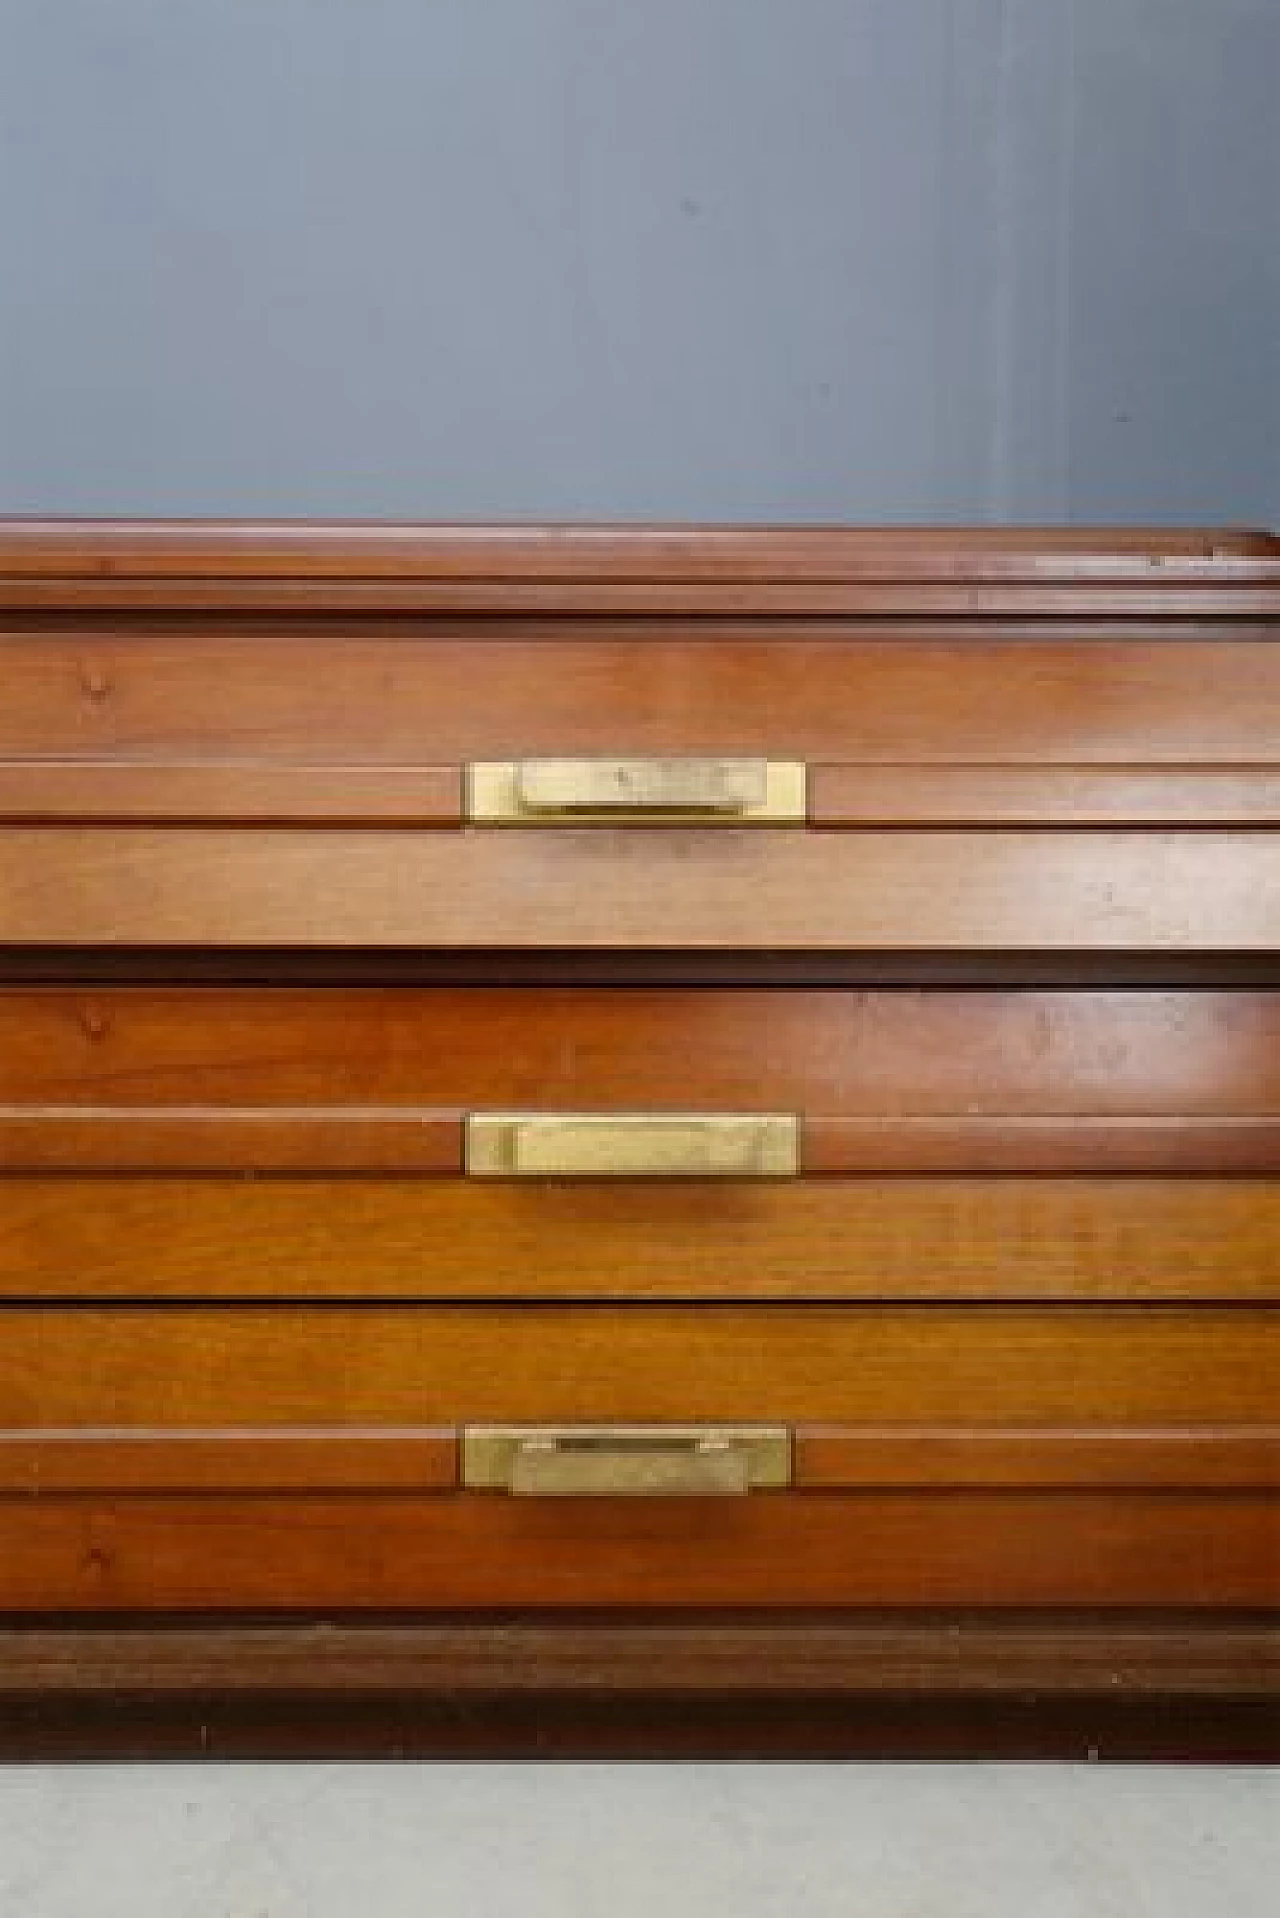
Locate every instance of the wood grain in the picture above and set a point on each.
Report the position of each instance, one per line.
(46, 1463)
(72, 564)
(859, 1052)
(1203, 1458)
(810, 1656)
(251, 792)
(275, 1139)
(955, 1548)
(1075, 1238)
(366, 1365)
(918, 708)
(604, 889)
(238, 792)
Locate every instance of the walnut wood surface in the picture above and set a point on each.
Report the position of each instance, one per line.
(1075, 1238)
(369, 1365)
(877, 1548)
(1066, 1684)
(810, 1655)
(598, 888)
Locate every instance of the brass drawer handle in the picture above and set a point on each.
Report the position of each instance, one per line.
(548, 792)
(619, 1461)
(520, 1145)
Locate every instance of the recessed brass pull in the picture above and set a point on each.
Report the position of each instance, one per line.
(618, 1461)
(548, 792)
(651, 1145)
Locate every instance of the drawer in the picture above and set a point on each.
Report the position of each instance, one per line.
(259, 1457)
(918, 1144)
(764, 743)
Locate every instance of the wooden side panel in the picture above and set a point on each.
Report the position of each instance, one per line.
(601, 889)
(873, 1549)
(1064, 1239)
(193, 1366)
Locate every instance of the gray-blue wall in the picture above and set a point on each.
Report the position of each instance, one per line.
(732, 258)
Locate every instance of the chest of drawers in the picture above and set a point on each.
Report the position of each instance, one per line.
(637, 1129)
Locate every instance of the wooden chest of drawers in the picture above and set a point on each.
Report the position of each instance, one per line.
(595, 1117)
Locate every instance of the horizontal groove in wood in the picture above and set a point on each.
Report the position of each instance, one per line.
(1248, 590)
(1036, 1238)
(1203, 1458)
(249, 1139)
(859, 1052)
(266, 1365)
(1027, 699)
(1022, 1143)
(80, 1139)
(816, 1654)
(602, 889)
(254, 792)
(952, 1548)
(199, 791)
(45, 1463)
(915, 795)
(248, 1459)
(91, 967)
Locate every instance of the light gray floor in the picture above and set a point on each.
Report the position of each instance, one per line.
(593, 1841)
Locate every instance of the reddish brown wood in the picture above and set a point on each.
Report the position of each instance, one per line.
(1064, 1239)
(676, 568)
(348, 1139)
(862, 1053)
(1112, 704)
(214, 791)
(605, 889)
(876, 1548)
(913, 795)
(1054, 1375)
(303, 1139)
(1198, 1457)
(218, 1365)
(43, 1464)
(46, 1463)
(247, 792)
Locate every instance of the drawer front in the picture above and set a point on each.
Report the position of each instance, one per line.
(679, 1143)
(991, 1456)
(375, 1552)
(260, 1457)
(903, 724)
